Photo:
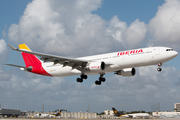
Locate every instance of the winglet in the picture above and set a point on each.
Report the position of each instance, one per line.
(24, 46)
(13, 48)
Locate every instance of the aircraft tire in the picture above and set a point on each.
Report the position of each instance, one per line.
(83, 76)
(98, 82)
(159, 69)
(79, 80)
(102, 79)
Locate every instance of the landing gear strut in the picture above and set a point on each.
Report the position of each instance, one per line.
(159, 67)
(81, 79)
(101, 79)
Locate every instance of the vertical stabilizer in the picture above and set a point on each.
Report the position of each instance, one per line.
(29, 59)
(116, 113)
(32, 61)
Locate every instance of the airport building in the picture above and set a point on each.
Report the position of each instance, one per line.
(108, 112)
(83, 115)
(80, 115)
(166, 114)
(169, 114)
(9, 113)
(177, 107)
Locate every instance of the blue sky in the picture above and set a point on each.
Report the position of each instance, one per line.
(11, 13)
(81, 28)
(129, 10)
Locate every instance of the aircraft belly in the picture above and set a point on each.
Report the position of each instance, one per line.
(60, 71)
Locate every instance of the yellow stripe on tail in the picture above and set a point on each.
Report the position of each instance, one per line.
(24, 47)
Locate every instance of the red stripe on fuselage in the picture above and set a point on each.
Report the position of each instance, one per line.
(32, 60)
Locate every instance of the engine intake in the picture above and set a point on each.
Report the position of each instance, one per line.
(126, 72)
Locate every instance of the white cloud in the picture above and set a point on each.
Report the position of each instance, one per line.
(144, 89)
(116, 28)
(69, 28)
(3, 54)
(165, 26)
(135, 34)
(147, 86)
(62, 28)
(3, 46)
(130, 37)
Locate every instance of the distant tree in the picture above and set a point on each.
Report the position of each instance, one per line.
(60, 110)
(102, 113)
(140, 111)
(149, 113)
(63, 110)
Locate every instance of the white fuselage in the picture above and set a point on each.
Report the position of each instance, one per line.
(135, 115)
(44, 116)
(117, 61)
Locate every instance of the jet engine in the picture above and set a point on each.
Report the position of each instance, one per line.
(126, 72)
(27, 68)
(96, 66)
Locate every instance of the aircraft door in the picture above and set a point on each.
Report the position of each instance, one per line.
(157, 51)
(156, 54)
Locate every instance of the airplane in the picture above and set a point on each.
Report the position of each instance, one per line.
(40, 115)
(134, 115)
(121, 63)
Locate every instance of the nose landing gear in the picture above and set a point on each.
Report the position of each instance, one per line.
(159, 67)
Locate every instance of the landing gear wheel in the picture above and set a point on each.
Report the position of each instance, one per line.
(98, 82)
(102, 79)
(83, 76)
(79, 80)
(159, 69)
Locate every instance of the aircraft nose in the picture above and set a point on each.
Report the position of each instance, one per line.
(175, 53)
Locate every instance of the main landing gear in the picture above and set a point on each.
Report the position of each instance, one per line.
(81, 79)
(159, 67)
(101, 79)
(98, 82)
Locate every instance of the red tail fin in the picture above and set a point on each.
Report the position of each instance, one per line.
(32, 61)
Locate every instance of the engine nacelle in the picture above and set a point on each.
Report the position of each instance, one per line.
(27, 68)
(96, 66)
(126, 72)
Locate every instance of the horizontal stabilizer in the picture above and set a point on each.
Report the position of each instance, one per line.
(25, 68)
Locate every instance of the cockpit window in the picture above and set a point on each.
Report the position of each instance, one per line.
(169, 50)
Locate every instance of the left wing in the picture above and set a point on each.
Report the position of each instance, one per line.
(72, 62)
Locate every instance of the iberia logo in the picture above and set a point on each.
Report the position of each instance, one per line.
(95, 67)
(130, 52)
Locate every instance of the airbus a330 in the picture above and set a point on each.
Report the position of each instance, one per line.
(121, 63)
